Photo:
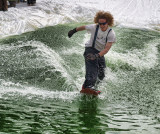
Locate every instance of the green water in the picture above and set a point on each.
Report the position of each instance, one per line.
(42, 73)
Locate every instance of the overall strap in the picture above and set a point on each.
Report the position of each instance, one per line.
(95, 35)
(107, 35)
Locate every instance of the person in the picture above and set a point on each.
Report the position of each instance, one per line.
(12, 3)
(22, 1)
(31, 2)
(3, 5)
(101, 40)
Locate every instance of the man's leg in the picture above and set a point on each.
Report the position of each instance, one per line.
(91, 73)
(91, 69)
(101, 70)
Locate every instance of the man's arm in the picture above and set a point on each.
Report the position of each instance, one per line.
(81, 28)
(106, 49)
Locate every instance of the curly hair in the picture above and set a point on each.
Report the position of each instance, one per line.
(104, 15)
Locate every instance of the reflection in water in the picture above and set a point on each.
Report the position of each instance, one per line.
(2, 121)
(88, 115)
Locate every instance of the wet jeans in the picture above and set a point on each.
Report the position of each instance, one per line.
(95, 69)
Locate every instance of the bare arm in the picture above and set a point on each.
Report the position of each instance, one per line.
(81, 28)
(106, 49)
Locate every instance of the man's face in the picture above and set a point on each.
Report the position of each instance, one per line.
(103, 24)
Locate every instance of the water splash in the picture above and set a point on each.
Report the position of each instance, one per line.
(141, 59)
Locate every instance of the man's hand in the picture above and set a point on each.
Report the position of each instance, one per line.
(91, 56)
(71, 32)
